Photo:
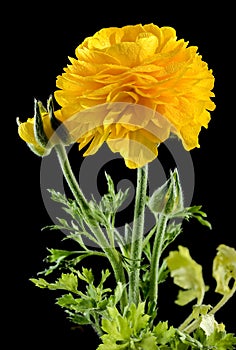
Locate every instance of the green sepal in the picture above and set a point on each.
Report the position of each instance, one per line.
(38, 150)
(168, 198)
(57, 125)
(39, 132)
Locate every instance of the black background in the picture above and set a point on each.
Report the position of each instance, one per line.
(37, 39)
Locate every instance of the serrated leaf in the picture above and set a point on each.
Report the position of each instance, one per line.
(200, 310)
(163, 333)
(58, 254)
(86, 275)
(218, 339)
(68, 281)
(79, 319)
(67, 300)
(42, 283)
(128, 329)
(137, 317)
(194, 212)
(112, 201)
(148, 342)
(105, 275)
(120, 287)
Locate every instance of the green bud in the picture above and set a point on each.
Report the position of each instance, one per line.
(167, 199)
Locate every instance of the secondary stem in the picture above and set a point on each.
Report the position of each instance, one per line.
(111, 253)
(155, 261)
(137, 234)
(192, 326)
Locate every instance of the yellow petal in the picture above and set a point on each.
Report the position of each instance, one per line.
(136, 148)
(26, 131)
(139, 65)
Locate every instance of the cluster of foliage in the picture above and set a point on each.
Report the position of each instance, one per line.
(120, 326)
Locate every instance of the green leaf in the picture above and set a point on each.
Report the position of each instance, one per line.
(224, 268)
(67, 281)
(127, 331)
(200, 310)
(120, 287)
(148, 342)
(163, 333)
(186, 339)
(110, 203)
(219, 339)
(163, 272)
(172, 231)
(79, 319)
(57, 256)
(187, 274)
(42, 283)
(137, 317)
(105, 275)
(86, 275)
(67, 300)
(194, 212)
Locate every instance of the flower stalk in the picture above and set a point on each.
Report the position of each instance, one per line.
(111, 253)
(137, 234)
(195, 324)
(155, 261)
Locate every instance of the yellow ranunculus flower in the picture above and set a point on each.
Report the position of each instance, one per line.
(141, 65)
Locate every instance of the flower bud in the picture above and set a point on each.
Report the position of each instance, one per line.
(37, 131)
(167, 199)
(44, 130)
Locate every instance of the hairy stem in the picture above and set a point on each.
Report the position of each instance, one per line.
(137, 234)
(155, 261)
(111, 253)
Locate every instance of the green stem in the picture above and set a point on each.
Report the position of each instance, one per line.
(155, 261)
(137, 234)
(190, 318)
(186, 322)
(224, 300)
(111, 253)
(190, 328)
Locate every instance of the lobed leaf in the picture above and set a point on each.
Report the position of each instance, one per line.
(224, 268)
(187, 274)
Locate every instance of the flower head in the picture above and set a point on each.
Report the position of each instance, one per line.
(161, 85)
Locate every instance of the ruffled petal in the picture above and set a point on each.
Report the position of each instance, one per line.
(137, 148)
(136, 65)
